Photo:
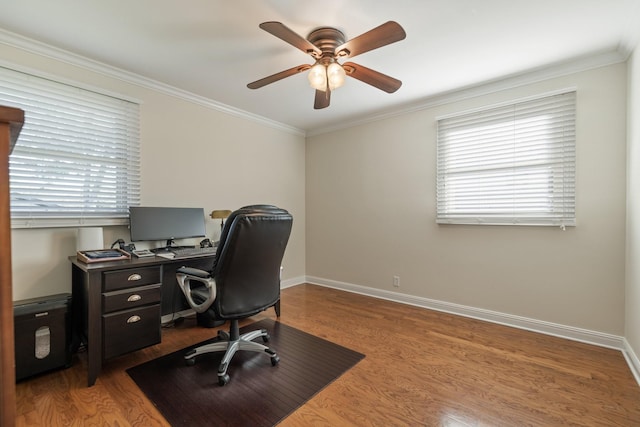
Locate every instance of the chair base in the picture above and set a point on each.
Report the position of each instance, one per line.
(230, 343)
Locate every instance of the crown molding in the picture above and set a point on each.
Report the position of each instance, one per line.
(576, 65)
(33, 46)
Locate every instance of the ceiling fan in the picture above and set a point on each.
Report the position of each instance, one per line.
(327, 45)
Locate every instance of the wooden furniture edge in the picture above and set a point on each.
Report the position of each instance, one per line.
(11, 121)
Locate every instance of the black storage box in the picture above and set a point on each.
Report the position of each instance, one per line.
(42, 334)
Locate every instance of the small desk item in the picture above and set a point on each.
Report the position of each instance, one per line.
(101, 255)
(143, 253)
(167, 255)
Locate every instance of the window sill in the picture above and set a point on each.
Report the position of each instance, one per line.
(19, 223)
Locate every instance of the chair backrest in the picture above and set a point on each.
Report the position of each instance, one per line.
(248, 260)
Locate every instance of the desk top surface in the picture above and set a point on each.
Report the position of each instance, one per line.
(132, 262)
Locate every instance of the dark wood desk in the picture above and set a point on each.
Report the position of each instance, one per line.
(117, 305)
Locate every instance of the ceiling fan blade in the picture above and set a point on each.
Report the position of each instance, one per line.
(283, 32)
(322, 99)
(387, 33)
(278, 76)
(372, 77)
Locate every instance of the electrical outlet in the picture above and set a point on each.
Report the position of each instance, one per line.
(396, 281)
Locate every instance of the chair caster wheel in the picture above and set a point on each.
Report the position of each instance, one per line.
(190, 362)
(275, 360)
(266, 338)
(223, 380)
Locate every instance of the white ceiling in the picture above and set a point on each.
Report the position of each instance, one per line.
(213, 48)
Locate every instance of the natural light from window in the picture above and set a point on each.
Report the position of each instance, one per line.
(510, 165)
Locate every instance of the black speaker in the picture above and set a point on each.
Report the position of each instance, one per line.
(42, 328)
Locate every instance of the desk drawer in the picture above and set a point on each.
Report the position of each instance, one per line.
(131, 277)
(130, 330)
(130, 298)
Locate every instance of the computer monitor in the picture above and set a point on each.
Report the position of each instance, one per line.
(164, 223)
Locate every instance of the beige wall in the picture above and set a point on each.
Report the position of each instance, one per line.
(632, 299)
(192, 155)
(371, 215)
(370, 203)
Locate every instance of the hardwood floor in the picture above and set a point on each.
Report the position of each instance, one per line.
(421, 368)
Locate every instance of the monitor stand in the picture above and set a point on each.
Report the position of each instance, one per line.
(166, 248)
(171, 244)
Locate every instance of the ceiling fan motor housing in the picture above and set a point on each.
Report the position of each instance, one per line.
(327, 39)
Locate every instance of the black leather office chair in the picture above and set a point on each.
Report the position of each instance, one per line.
(245, 280)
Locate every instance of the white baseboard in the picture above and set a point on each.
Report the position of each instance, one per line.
(292, 282)
(632, 360)
(548, 328)
(168, 318)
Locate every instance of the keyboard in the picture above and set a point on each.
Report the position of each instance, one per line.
(184, 252)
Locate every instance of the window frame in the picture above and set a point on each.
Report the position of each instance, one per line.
(468, 160)
(120, 150)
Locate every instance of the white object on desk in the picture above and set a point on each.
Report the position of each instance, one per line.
(89, 238)
(168, 255)
(142, 253)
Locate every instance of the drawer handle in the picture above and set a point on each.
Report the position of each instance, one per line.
(134, 297)
(133, 319)
(134, 277)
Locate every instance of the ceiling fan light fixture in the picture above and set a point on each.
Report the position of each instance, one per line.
(335, 75)
(318, 77)
(327, 45)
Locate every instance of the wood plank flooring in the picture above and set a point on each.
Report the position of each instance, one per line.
(421, 368)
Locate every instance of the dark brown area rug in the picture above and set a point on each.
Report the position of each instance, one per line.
(258, 394)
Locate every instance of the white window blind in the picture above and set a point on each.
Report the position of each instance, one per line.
(512, 164)
(77, 158)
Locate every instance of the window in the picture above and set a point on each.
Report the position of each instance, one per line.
(77, 159)
(513, 164)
